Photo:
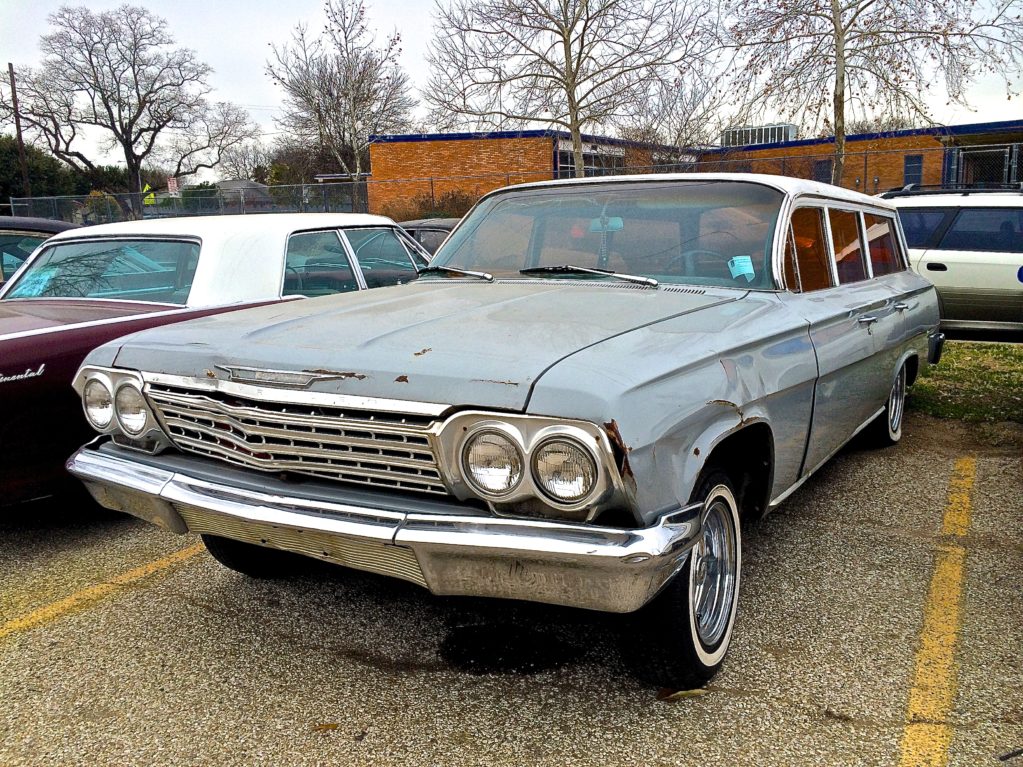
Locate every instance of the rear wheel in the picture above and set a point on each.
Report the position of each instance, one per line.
(250, 559)
(886, 430)
(679, 640)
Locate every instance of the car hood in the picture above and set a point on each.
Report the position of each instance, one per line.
(19, 315)
(473, 344)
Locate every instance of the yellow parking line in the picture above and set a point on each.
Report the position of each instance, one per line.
(93, 594)
(928, 732)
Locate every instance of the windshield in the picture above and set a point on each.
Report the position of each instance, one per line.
(132, 270)
(690, 232)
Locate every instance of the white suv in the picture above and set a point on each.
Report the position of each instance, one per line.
(969, 243)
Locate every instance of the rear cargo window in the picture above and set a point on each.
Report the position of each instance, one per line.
(986, 229)
(884, 257)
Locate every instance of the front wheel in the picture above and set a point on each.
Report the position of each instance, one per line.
(679, 639)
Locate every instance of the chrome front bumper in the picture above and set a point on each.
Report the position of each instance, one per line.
(576, 565)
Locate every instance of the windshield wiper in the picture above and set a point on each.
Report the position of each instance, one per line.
(438, 268)
(573, 269)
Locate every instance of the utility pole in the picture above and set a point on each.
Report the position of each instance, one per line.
(26, 187)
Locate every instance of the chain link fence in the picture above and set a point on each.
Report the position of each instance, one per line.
(105, 207)
(403, 199)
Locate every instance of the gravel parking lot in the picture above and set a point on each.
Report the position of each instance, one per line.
(116, 648)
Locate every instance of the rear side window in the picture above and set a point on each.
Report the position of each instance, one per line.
(431, 238)
(845, 234)
(884, 258)
(806, 253)
(986, 229)
(317, 265)
(921, 224)
(14, 249)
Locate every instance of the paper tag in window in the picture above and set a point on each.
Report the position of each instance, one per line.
(741, 266)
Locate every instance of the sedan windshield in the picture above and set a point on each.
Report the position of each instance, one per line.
(690, 232)
(133, 270)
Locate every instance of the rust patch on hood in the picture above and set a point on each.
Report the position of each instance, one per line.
(421, 353)
(401, 379)
(620, 448)
(491, 380)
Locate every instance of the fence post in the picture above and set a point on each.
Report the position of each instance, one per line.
(241, 197)
(323, 193)
(110, 213)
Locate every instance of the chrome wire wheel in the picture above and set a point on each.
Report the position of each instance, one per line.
(897, 402)
(714, 573)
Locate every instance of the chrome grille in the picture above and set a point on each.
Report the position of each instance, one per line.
(390, 450)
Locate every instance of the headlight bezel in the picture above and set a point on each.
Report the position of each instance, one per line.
(529, 433)
(151, 439)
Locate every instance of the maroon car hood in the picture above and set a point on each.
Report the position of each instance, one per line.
(18, 315)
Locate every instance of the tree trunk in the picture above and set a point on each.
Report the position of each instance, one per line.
(838, 101)
(135, 203)
(577, 150)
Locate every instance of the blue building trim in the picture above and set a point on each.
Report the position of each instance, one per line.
(401, 138)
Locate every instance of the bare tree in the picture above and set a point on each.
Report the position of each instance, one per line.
(827, 59)
(339, 88)
(690, 109)
(569, 63)
(250, 160)
(118, 72)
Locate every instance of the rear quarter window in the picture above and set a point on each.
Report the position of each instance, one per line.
(985, 229)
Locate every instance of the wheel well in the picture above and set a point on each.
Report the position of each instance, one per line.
(912, 368)
(747, 457)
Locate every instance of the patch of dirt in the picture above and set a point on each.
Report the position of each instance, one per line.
(948, 437)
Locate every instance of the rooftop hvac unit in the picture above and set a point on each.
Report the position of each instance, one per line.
(760, 134)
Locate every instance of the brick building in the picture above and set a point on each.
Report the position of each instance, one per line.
(966, 154)
(412, 171)
(413, 174)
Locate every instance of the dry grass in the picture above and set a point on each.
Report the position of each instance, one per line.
(977, 382)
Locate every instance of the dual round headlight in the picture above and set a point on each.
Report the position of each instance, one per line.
(127, 405)
(562, 469)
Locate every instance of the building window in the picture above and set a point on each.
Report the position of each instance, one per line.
(822, 171)
(594, 163)
(913, 169)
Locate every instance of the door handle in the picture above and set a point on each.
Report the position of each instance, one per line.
(934, 266)
(867, 320)
(901, 306)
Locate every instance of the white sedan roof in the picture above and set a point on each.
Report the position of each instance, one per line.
(241, 257)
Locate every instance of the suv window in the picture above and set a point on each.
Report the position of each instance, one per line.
(381, 256)
(845, 234)
(988, 229)
(884, 256)
(316, 265)
(921, 224)
(807, 266)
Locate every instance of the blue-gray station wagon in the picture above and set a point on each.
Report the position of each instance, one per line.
(581, 401)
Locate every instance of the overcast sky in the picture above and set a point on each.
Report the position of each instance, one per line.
(233, 37)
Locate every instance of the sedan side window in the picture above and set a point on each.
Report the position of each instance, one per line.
(317, 265)
(807, 264)
(884, 255)
(845, 234)
(381, 256)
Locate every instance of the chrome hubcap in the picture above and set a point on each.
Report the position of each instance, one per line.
(714, 568)
(896, 401)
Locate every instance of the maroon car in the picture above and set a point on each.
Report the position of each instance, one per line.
(88, 286)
